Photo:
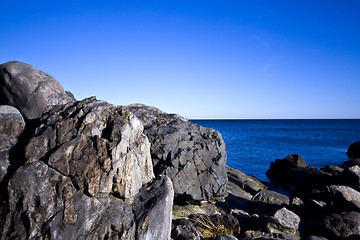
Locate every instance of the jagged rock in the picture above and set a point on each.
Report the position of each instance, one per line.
(338, 198)
(44, 204)
(193, 157)
(344, 225)
(100, 147)
(354, 150)
(288, 219)
(29, 90)
(185, 232)
(268, 196)
(12, 125)
(153, 210)
(349, 177)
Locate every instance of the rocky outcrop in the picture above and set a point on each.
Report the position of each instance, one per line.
(193, 157)
(12, 125)
(30, 90)
(354, 150)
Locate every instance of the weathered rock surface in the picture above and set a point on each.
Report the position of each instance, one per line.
(354, 150)
(193, 157)
(12, 125)
(100, 147)
(29, 90)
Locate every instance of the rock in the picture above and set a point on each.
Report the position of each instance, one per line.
(248, 183)
(338, 198)
(332, 169)
(351, 163)
(344, 225)
(349, 177)
(44, 203)
(225, 237)
(100, 147)
(193, 157)
(185, 232)
(354, 150)
(268, 196)
(288, 219)
(12, 125)
(29, 90)
(279, 170)
(312, 237)
(153, 210)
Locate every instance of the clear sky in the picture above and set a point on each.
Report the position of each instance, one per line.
(200, 59)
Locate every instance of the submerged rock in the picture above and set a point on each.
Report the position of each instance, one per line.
(193, 157)
(30, 90)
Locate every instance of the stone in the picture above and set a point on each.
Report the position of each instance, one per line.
(12, 125)
(279, 170)
(334, 170)
(185, 232)
(288, 219)
(248, 183)
(349, 177)
(100, 147)
(268, 196)
(153, 210)
(354, 150)
(193, 157)
(351, 163)
(343, 225)
(226, 237)
(29, 90)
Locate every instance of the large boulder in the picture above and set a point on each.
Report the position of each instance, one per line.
(88, 175)
(100, 147)
(354, 150)
(30, 90)
(12, 125)
(193, 157)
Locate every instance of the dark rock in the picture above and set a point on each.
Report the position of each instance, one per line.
(29, 90)
(315, 238)
(12, 125)
(351, 163)
(344, 225)
(185, 232)
(192, 156)
(247, 183)
(349, 177)
(279, 170)
(335, 198)
(332, 169)
(354, 150)
(225, 237)
(268, 196)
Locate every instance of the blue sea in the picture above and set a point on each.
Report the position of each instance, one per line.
(252, 145)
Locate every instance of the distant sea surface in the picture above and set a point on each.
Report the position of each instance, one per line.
(252, 145)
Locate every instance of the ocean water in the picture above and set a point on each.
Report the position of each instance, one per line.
(252, 145)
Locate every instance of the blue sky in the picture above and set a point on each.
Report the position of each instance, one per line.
(200, 59)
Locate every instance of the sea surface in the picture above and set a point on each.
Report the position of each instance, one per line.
(252, 145)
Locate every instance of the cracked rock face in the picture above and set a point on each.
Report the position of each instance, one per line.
(30, 90)
(11, 126)
(193, 157)
(100, 147)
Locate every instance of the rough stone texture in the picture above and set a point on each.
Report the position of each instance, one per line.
(268, 196)
(288, 219)
(100, 147)
(153, 210)
(12, 125)
(354, 150)
(193, 157)
(44, 204)
(185, 232)
(248, 183)
(349, 177)
(29, 90)
(346, 224)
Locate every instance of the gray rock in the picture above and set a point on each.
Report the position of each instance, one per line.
(153, 210)
(225, 237)
(332, 169)
(288, 219)
(29, 90)
(185, 232)
(193, 157)
(100, 147)
(354, 150)
(248, 183)
(268, 196)
(12, 125)
(349, 177)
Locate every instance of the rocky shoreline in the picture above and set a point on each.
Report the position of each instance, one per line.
(91, 170)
